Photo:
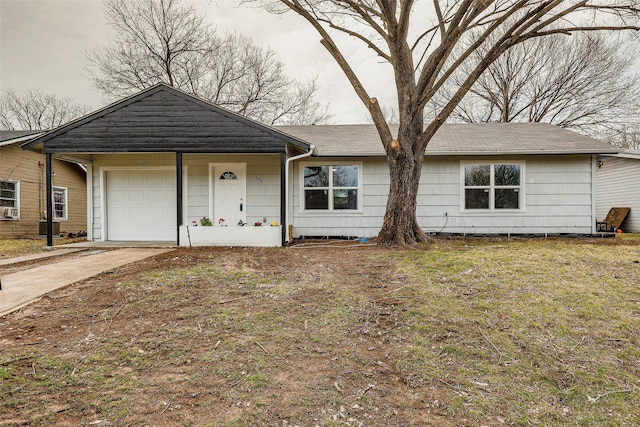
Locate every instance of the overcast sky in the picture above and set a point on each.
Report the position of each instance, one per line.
(43, 45)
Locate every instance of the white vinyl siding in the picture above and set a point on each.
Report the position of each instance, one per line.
(372, 193)
(617, 186)
(263, 183)
(557, 196)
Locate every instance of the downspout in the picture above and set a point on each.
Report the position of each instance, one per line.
(594, 218)
(312, 150)
(179, 219)
(89, 183)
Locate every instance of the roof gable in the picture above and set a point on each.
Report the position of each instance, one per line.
(164, 119)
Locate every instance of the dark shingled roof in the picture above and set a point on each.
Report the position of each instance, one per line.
(164, 119)
(455, 140)
(9, 135)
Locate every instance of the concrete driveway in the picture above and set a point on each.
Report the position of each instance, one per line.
(24, 287)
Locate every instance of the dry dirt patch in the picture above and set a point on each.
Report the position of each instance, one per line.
(318, 336)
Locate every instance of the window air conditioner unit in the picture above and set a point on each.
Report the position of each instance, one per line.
(9, 212)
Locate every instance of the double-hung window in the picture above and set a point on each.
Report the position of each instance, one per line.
(492, 186)
(59, 203)
(331, 187)
(9, 199)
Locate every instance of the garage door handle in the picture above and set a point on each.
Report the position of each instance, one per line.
(240, 207)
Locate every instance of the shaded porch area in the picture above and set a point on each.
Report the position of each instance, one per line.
(162, 163)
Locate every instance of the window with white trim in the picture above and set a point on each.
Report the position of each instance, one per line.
(9, 199)
(59, 203)
(328, 187)
(492, 186)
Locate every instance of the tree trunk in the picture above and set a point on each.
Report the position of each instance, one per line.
(400, 226)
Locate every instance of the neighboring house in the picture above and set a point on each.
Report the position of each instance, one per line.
(161, 160)
(618, 185)
(23, 191)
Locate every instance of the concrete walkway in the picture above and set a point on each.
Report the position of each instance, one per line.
(36, 256)
(24, 287)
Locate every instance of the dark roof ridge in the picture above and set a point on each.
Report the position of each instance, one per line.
(151, 91)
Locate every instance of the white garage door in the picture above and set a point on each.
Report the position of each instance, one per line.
(141, 205)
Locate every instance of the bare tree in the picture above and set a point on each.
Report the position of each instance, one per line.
(249, 80)
(425, 56)
(582, 82)
(625, 135)
(163, 41)
(35, 110)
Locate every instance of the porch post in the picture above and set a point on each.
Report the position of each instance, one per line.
(49, 173)
(283, 197)
(178, 195)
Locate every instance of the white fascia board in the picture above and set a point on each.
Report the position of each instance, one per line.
(522, 152)
(479, 153)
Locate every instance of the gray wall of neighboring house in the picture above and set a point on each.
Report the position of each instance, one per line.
(617, 182)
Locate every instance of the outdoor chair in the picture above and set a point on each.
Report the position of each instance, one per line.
(614, 219)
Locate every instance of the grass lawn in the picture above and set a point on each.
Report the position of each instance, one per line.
(460, 332)
(16, 247)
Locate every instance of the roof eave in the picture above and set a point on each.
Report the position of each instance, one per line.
(521, 152)
(21, 139)
(318, 153)
(626, 155)
(478, 153)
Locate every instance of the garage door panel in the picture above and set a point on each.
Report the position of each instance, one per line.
(156, 195)
(135, 195)
(141, 205)
(135, 214)
(162, 230)
(119, 215)
(158, 214)
(156, 180)
(117, 179)
(136, 179)
(117, 197)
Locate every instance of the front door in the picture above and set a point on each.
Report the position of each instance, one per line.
(229, 193)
